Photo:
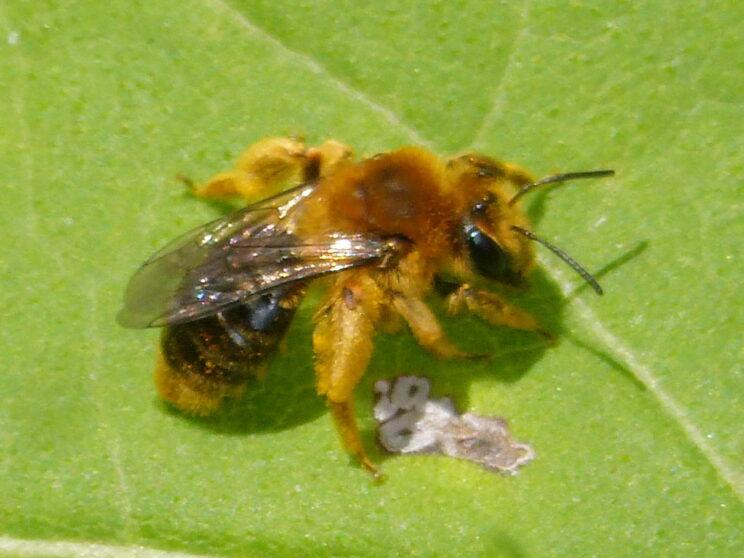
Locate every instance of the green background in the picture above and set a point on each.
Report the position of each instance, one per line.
(636, 415)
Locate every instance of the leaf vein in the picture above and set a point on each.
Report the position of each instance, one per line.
(733, 478)
(10, 546)
(111, 440)
(19, 108)
(317, 68)
(499, 97)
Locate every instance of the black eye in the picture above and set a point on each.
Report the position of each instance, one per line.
(488, 257)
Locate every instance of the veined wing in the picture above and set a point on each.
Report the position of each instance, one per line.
(152, 289)
(226, 262)
(193, 244)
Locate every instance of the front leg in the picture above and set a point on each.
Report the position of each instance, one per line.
(426, 329)
(492, 308)
(342, 342)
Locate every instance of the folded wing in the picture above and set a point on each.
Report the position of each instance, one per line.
(230, 260)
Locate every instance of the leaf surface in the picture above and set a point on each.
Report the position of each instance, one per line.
(636, 415)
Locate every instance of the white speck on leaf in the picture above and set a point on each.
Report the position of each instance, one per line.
(14, 37)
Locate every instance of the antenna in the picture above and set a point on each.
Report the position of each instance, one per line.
(573, 264)
(560, 178)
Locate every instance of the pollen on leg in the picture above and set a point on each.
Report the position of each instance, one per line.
(325, 158)
(261, 170)
(342, 342)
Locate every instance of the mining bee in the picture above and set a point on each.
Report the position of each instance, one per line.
(379, 232)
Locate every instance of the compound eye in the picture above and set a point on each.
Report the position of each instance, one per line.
(489, 259)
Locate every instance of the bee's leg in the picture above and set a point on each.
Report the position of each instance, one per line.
(269, 165)
(342, 341)
(263, 169)
(493, 309)
(426, 328)
(325, 158)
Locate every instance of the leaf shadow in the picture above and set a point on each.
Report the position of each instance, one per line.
(499, 544)
(538, 206)
(607, 359)
(621, 260)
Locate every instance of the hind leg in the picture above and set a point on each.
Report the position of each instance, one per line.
(343, 345)
(426, 329)
(270, 165)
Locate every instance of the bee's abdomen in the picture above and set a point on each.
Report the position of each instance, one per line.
(204, 361)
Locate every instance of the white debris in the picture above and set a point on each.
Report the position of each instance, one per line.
(409, 422)
(408, 393)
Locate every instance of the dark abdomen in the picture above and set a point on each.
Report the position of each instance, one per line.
(204, 361)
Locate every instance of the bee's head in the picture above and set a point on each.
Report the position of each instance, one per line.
(495, 233)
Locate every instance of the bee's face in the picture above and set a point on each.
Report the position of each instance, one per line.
(494, 249)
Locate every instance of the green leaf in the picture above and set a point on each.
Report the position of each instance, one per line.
(636, 415)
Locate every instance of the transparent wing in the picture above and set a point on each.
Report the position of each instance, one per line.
(230, 260)
(152, 290)
(194, 243)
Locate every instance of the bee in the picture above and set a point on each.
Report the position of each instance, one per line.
(379, 232)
